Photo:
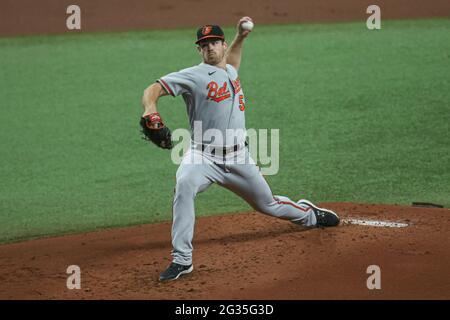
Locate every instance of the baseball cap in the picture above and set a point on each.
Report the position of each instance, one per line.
(209, 31)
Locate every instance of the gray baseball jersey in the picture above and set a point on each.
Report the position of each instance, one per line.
(214, 98)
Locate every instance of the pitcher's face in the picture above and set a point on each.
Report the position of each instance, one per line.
(212, 50)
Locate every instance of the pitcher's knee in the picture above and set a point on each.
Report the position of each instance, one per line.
(185, 186)
(190, 184)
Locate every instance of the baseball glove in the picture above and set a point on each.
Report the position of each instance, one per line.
(153, 129)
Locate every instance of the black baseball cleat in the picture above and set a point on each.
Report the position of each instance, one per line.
(324, 217)
(174, 271)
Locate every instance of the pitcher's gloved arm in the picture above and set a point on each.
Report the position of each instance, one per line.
(152, 126)
(151, 96)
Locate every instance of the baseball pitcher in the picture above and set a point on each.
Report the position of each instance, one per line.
(215, 102)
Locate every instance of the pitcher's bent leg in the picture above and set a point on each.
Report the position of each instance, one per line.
(247, 182)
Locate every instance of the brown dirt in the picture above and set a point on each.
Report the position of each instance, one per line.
(49, 16)
(244, 256)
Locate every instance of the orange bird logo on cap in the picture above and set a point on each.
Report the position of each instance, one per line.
(206, 30)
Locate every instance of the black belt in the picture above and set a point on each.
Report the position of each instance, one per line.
(224, 151)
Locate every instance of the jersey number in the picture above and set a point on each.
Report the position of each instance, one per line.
(241, 102)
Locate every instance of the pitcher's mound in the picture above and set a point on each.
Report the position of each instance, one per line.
(245, 256)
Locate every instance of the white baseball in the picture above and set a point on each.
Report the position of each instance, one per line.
(247, 25)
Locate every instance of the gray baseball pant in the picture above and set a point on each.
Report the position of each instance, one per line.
(198, 170)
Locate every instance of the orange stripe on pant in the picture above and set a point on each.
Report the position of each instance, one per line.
(290, 203)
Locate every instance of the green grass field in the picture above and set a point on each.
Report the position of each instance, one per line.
(363, 116)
